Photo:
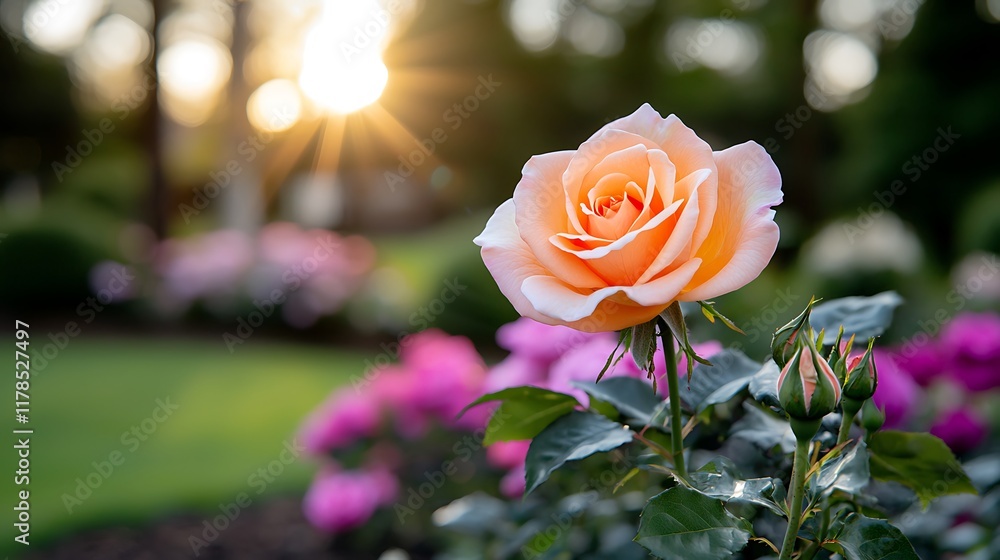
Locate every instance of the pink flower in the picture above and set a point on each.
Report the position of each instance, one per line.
(396, 388)
(584, 363)
(924, 363)
(210, 265)
(346, 417)
(897, 394)
(705, 349)
(448, 372)
(962, 429)
(515, 371)
(543, 343)
(971, 345)
(512, 484)
(339, 501)
(507, 454)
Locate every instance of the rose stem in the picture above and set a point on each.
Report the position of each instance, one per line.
(849, 409)
(845, 427)
(674, 390)
(799, 468)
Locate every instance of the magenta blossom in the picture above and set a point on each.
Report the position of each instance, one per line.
(339, 501)
(971, 344)
(512, 484)
(508, 454)
(584, 363)
(962, 429)
(924, 363)
(448, 371)
(705, 349)
(516, 371)
(897, 394)
(345, 418)
(540, 342)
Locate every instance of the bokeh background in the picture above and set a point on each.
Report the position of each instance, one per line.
(167, 167)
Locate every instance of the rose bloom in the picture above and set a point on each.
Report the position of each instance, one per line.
(641, 215)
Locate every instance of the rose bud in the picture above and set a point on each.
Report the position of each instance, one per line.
(807, 387)
(785, 339)
(862, 379)
(839, 352)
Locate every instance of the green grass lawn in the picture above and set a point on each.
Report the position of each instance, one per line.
(235, 412)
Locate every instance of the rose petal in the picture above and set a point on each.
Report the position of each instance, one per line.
(589, 155)
(558, 300)
(743, 236)
(678, 246)
(509, 259)
(563, 240)
(540, 212)
(631, 162)
(686, 150)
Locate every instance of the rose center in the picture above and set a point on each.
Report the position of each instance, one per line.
(607, 206)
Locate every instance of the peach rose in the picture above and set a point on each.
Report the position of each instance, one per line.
(643, 214)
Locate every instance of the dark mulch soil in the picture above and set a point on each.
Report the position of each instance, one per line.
(274, 530)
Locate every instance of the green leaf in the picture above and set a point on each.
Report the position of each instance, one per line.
(632, 397)
(863, 317)
(764, 384)
(708, 309)
(864, 538)
(919, 461)
(524, 412)
(624, 337)
(721, 479)
(764, 429)
(673, 317)
(845, 470)
(644, 345)
(684, 524)
(730, 373)
(570, 438)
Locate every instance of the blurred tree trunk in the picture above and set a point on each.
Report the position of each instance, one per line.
(242, 203)
(804, 188)
(159, 199)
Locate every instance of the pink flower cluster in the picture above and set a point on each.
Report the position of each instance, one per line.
(553, 357)
(315, 270)
(436, 377)
(965, 355)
